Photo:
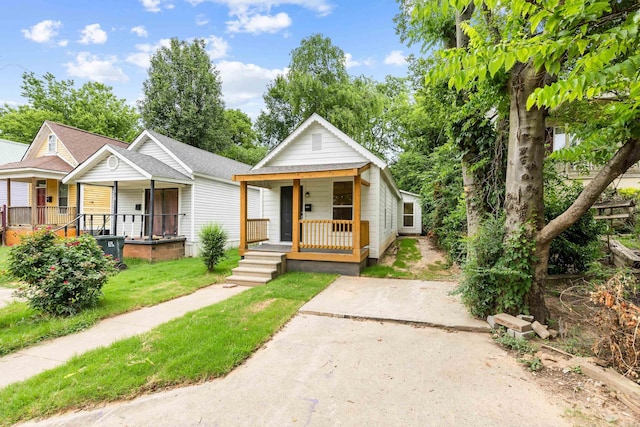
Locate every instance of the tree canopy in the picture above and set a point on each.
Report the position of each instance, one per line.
(183, 97)
(92, 107)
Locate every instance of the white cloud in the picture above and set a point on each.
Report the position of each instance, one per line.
(244, 84)
(156, 5)
(322, 7)
(217, 47)
(257, 24)
(396, 57)
(63, 43)
(201, 20)
(140, 31)
(93, 34)
(4, 102)
(142, 56)
(92, 67)
(43, 32)
(350, 62)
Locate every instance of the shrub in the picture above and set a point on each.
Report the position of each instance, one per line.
(213, 238)
(63, 276)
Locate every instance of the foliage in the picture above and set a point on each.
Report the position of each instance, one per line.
(92, 107)
(243, 147)
(63, 276)
(143, 284)
(533, 364)
(183, 97)
(213, 239)
(520, 345)
(226, 333)
(579, 245)
(500, 274)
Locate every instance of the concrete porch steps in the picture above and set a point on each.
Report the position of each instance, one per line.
(258, 268)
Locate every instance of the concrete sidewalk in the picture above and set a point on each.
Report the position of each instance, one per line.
(33, 360)
(404, 301)
(6, 296)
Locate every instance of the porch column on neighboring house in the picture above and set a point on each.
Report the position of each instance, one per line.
(295, 235)
(6, 214)
(152, 190)
(78, 208)
(34, 202)
(243, 217)
(357, 208)
(114, 197)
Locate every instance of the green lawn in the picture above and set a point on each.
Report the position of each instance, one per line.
(202, 345)
(142, 284)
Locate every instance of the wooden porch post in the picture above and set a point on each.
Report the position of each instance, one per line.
(243, 217)
(357, 208)
(295, 235)
(34, 203)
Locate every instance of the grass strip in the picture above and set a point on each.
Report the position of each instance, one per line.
(143, 284)
(202, 345)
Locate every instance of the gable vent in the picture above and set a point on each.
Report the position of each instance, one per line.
(316, 142)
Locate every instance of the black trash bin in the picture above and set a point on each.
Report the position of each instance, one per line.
(114, 246)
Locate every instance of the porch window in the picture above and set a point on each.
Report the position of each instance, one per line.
(343, 200)
(408, 215)
(53, 142)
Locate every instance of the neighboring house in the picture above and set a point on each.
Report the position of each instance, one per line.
(562, 139)
(329, 204)
(411, 218)
(10, 152)
(182, 188)
(55, 151)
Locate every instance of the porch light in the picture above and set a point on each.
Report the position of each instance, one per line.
(306, 194)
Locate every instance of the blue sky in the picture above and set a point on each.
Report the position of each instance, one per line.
(249, 40)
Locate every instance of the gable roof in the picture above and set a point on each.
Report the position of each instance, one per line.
(11, 151)
(41, 164)
(79, 143)
(194, 160)
(316, 118)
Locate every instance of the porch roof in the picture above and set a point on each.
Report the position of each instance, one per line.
(42, 167)
(273, 173)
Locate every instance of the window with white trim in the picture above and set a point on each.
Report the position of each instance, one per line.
(53, 144)
(407, 215)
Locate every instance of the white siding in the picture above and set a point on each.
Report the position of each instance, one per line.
(217, 201)
(300, 152)
(19, 193)
(185, 219)
(102, 173)
(387, 216)
(271, 208)
(127, 201)
(150, 148)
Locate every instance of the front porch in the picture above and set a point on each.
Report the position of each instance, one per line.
(321, 243)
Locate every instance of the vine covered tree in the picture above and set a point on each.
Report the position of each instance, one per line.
(183, 97)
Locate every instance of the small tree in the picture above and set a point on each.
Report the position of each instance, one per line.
(214, 239)
(63, 276)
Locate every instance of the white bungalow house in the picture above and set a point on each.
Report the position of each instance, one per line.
(329, 204)
(164, 192)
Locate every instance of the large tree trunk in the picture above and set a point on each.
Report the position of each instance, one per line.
(524, 204)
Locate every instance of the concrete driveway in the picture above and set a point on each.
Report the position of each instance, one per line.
(340, 369)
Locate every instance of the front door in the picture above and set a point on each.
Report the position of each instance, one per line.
(286, 213)
(165, 210)
(41, 194)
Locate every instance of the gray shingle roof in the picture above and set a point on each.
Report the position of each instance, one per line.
(153, 166)
(305, 168)
(200, 161)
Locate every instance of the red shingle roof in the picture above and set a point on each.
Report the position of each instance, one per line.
(52, 163)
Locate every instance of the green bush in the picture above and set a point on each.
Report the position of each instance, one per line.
(213, 239)
(499, 274)
(63, 276)
(578, 246)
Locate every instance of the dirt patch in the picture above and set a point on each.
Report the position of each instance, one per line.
(432, 263)
(259, 306)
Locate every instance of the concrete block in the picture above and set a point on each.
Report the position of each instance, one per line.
(517, 334)
(525, 317)
(492, 322)
(553, 333)
(540, 330)
(512, 322)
